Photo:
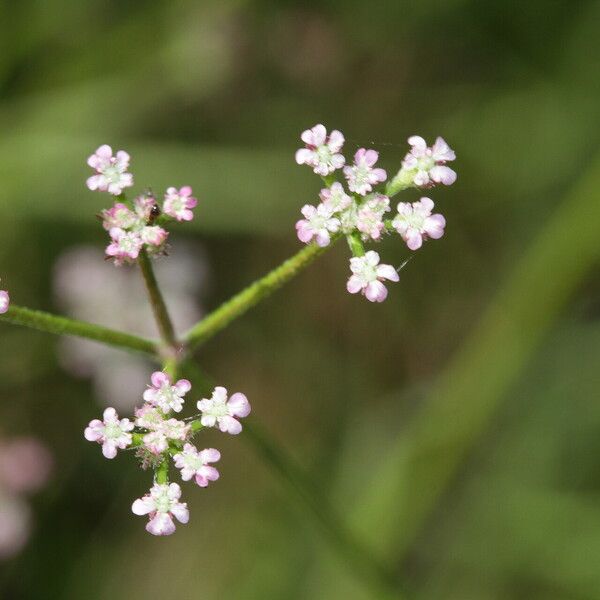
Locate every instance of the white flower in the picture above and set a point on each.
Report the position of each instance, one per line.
(112, 433)
(367, 276)
(361, 175)
(322, 150)
(162, 504)
(111, 171)
(317, 224)
(195, 464)
(219, 411)
(164, 395)
(415, 223)
(425, 165)
(369, 219)
(335, 198)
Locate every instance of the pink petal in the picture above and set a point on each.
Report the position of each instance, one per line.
(143, 506)
(304, 156)
(183, 386)
(388, 272)
(441, 174)
(161, 524)
(230, 425)
(354, 284)
(159, 378)
(376, 291)
(181, 512)
(238, 405)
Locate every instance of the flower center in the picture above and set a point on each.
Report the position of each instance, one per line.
(324, 154)
(112, 431)
(425, 163)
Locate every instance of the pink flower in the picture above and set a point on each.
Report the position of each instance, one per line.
(322, 150)
(145, 207)
(164, 395)
(219, 411)
(118, 216)
(318, 224)
(415, 223)
(4, 301)
(361, 175)
(149, 417)
(178, 203)
(161, 431)
(153, 235)
(367, 276)
(125, 245)
(369, 220)
(111, 175)
(426, 165)
(162, 504)
(195, 464)
(112, 433)
(335, 198)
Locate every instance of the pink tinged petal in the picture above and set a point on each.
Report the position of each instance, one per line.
(441, 174)
(358, 157)
(376, 291)
(95, 182)
(183, 386)
(322, 238)
(388, 272)
(211, 455)
(319, 134)
(371, 258)
(94, 431)
(379, 175)
(421, 178)
(181, 512)
(161, 524)
(110, 415)
(441, 150)
(229, 425)
(414, 240)
(4, 301)
(426, 206)
(304, 231)
(434, 226)
(354, 284)
(206, 475)
(336, 140)
(109, 449)
(159, 378)
(370, 157)
(143, 506)
(208, 420)
(238, 406)
(104, 151)
(304, 156)
(417, 142)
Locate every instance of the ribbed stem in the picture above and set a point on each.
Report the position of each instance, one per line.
(43, 321)
(252, 295)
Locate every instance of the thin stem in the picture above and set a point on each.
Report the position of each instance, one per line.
(43, 321)
(250, 296)
(159, 308)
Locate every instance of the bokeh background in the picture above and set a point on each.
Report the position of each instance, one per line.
(455, 428)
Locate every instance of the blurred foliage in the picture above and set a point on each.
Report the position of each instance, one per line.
(214, 94)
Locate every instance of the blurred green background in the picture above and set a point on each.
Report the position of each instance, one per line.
(456, 427)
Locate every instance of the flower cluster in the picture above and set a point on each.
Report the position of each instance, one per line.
(137, 225)
(359, 210)
(158, 436)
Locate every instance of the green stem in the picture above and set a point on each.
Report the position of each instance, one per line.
(161, 474)
(250, 296)
(43, 321)
(159, 308)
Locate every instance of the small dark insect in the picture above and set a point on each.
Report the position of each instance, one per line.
(154, 213)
